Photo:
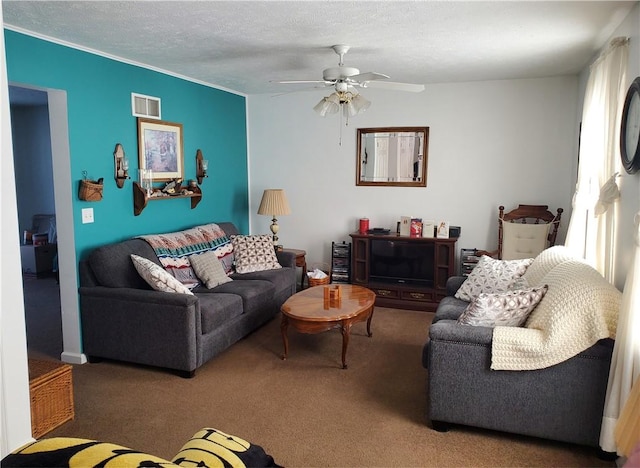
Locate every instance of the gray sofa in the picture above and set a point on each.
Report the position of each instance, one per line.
(563, 402)
(124, 319)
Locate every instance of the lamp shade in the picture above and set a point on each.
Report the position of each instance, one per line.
(328, 105)
(360, 104)
(274, 202)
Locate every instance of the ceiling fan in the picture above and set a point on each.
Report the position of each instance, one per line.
(345, 80)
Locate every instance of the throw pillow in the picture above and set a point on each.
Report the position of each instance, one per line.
(211, 447)
(226, 256)
(209, 269)
(254, 253)
(508, 309)
(157, 278)
(519, 283)
(491, 276)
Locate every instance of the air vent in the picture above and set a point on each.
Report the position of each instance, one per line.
(145, 106)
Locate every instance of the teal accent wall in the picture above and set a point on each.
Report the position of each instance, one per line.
(99, 112)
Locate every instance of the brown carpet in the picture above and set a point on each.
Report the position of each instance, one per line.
(305, 411)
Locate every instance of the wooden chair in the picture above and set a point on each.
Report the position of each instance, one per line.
(524, 241)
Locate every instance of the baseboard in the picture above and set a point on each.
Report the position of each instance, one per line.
(73, 358)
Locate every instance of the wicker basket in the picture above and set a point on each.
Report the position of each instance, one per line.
(51, 392)
(320, 281)
(90, 190)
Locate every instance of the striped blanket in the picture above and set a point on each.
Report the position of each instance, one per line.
(173, 250)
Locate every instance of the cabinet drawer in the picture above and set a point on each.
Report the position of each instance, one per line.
(417, 296)
(383, 292)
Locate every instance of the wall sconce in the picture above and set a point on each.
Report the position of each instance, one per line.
(121, 165)
(201, 167)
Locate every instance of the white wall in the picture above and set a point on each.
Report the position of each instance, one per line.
(629, 184)
(15, 421)
(491, 143)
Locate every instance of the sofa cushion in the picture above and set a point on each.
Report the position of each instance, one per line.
(209, 269)
(112, 266)
(507, 309)
(280, 278)
(217, 309)
(157, 277)
(546, 261)
(254, 253)
(256, 294)
(492, 276)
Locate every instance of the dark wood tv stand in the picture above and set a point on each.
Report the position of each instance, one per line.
(389, 294)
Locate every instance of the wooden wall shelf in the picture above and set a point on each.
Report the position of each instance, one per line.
(140, 198)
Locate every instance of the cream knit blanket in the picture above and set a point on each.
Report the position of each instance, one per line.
(579, 308)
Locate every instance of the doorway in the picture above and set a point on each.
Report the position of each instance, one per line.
(63, 197)
(33, 168)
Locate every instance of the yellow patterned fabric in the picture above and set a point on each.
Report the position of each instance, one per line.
(579, 308)
(80, 453)
(208, 448)
(213, 448)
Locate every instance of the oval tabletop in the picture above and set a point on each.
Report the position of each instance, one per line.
(311, 305)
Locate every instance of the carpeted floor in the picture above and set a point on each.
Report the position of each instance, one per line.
(305, 411)
(42, 316)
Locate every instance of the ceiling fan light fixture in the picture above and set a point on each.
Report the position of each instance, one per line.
(328, 105)
(359, 104)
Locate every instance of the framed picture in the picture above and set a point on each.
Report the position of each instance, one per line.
(443, 230)
(160, 148)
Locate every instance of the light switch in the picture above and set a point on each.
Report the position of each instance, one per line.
(87, 215)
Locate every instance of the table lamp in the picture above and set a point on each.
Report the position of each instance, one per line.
(274, 203)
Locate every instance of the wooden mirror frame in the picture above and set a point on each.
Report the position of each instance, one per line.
(362, 158)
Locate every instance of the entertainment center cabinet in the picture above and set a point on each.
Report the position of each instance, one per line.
(404, 272)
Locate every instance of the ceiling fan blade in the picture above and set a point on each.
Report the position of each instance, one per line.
(393, 85)
(302, 90)
(302, 82)
(369, 76)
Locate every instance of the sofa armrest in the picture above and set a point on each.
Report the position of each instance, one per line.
(454, 283)
(142, 326)
(450, 330)
(447, 335)
(286, 259)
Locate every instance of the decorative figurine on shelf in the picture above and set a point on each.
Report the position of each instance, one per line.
(172, 187)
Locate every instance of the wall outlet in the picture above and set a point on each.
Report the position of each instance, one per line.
(87, 215)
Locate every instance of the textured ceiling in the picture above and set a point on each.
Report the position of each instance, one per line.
(243, 45)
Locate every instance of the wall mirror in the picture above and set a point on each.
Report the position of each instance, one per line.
(392, 156)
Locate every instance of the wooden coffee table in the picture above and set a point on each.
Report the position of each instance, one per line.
(310, 312)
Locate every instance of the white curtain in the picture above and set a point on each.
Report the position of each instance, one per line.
(591, 231)
(625, 363)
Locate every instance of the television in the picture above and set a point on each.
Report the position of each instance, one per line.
(401, 262)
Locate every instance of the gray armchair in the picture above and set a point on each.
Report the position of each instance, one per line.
(562, 402)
